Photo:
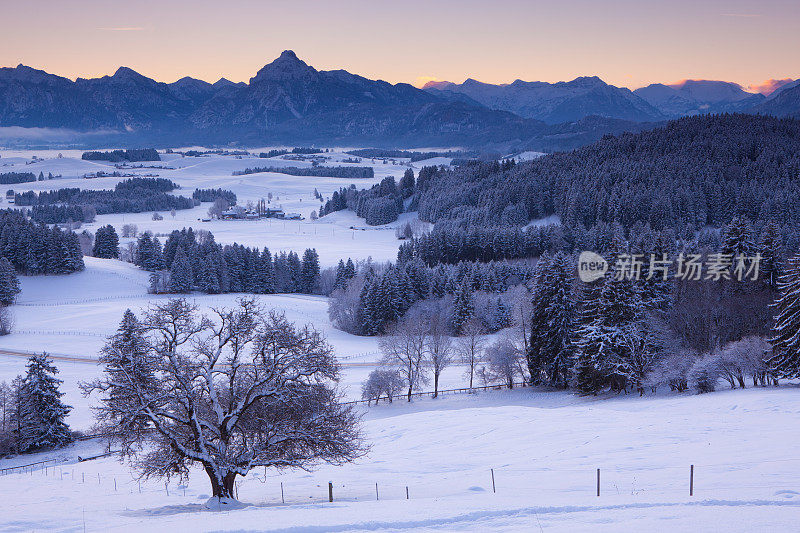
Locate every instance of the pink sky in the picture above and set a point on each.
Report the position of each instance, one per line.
(627, 43)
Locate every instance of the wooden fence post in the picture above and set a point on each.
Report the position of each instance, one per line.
(282, 500)
(493, 487)
(406, 492)
(330, 491)
(376, 492)
(691, 480)
(598, 482)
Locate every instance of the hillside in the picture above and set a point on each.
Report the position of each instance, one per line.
(786, 103)
(694, 171)
(543, 450)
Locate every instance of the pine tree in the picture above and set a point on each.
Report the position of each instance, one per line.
(552, 322)
(769, 247)
(738, 239)
(463, 306)
(349, 269)
(180, 274)
(786, 332)
(293, 267)
(586, 342)
(127, 366)
(309, 272)
(207, 280)
(406, 184)
(9, 284)
(368, 308)
(340, 282)
(655, 291)
(106, 243)
(266, 272)
(148, 253)
(41, 412)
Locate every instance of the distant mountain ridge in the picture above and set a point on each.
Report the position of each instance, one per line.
(784, 103)
(554, 103)
(286, 101)
(289, 101)
(693, 97)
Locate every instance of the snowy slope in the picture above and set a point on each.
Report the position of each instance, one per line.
(544, 448)
(291, 193)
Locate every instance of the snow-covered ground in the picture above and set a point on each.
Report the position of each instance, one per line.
(335, 236)
(544, 449)
(73, 315)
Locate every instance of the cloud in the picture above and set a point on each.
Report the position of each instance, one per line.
(123, 28)
(769, 86)
(421, 81)
(19, 133)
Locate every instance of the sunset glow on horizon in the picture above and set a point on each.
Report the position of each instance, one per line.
(626, 43)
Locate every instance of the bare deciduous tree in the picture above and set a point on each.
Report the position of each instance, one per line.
(240, 389)
(470, 345)
(504, 362)
(404, 347)
(6, 320)
(439, 348)
(130, 231)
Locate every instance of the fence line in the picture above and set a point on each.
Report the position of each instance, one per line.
(26, 467)
(440, 392)
(681, 481)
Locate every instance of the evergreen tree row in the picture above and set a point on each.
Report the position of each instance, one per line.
(37, 249)
(16, 177)
(134, 195)
(187, 262)
(380, 204)
(131, 155)
(209, 195)
(385, 296)
(698, 171)
(619, 332)
(318, 171)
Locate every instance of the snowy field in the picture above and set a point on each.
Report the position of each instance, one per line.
(544, 448)
(71, 316)
(338, 235)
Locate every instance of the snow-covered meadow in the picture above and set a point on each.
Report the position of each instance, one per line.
(544, 448)
(335, 236)
(71, 316)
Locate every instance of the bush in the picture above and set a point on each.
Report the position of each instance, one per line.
(382, 384)
(6, 320)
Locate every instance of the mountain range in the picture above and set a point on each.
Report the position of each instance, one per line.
(289, 101)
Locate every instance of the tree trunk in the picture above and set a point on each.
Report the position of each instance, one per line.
(409, 394)
(221, 487)
(435, 384)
